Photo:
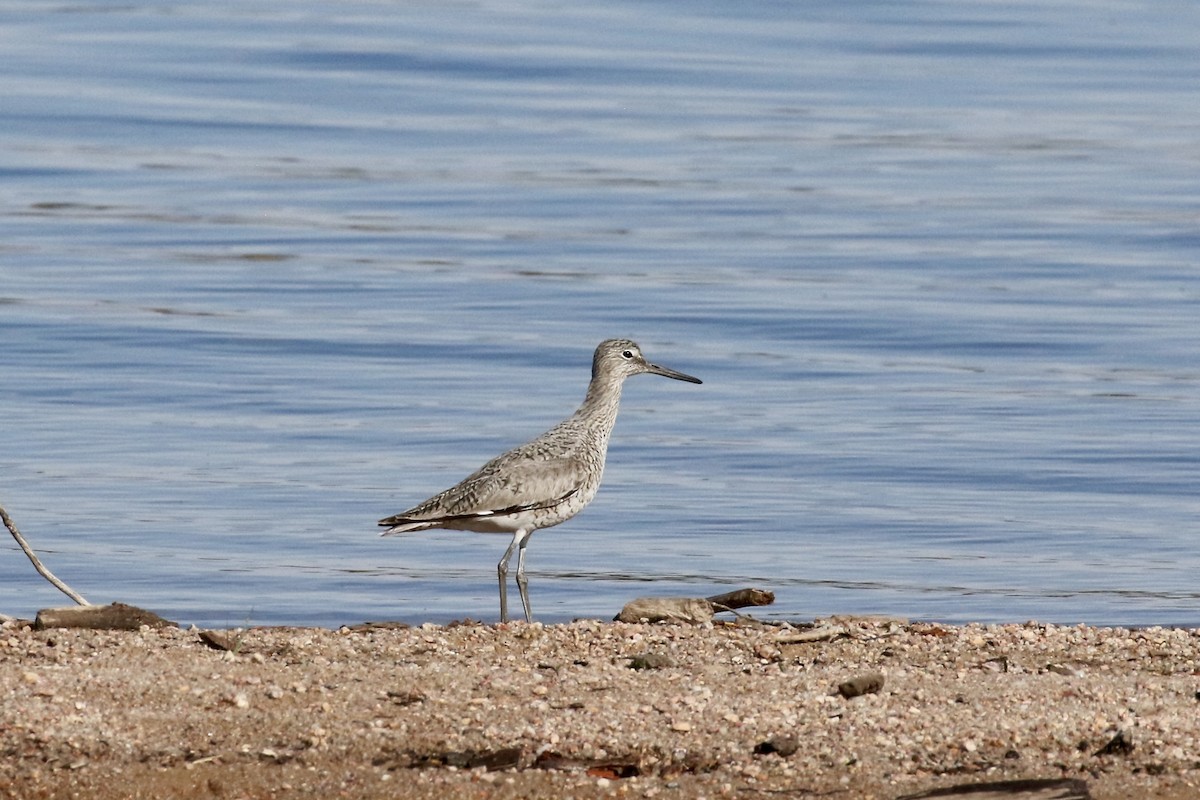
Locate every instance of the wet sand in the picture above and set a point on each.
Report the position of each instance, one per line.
(597, 709)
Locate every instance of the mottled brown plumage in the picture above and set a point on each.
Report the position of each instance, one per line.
(543, 482)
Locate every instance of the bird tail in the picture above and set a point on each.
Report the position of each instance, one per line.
(404, 524)
(398, 525)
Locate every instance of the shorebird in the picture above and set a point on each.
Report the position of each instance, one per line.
(543, 482)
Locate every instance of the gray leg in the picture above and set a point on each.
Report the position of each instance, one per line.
(522, 581)
(502, 572)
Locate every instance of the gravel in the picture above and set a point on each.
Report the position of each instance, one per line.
(597, 709)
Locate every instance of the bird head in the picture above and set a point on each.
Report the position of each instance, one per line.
(621, 358)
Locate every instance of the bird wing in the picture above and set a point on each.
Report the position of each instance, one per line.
(525, 485)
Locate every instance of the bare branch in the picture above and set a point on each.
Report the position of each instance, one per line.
(37, 564)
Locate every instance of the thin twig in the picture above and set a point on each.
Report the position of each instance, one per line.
(37, 564)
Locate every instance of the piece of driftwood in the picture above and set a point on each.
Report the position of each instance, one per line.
(226, 642)
(37, 562)
(1035, 789)
(597, 768)
(383, 625)
(695, 610)
(118, 616)
(819, 633)
(491, 760)
(741, 598)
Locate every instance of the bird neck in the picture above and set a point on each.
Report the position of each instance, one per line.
(601, 402)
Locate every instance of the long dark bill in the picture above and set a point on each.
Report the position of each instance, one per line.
(666, 372)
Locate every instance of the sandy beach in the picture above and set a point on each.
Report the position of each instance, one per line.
(597, 709)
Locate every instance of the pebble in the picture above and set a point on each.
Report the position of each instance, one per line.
(867, 683)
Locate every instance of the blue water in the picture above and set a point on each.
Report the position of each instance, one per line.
(270, 272)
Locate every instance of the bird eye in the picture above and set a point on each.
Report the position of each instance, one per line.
(627, 353)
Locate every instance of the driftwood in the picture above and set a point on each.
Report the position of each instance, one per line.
(666, 609)
(1027, 789)
(37, 563)
(741, 598)
(508, 758)
(368, 627)
(230, 642)
(694, 610)
(819, 633)
(490, 760)
(117, 616)
(602, 768)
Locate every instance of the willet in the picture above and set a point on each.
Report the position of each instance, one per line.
(543, 482)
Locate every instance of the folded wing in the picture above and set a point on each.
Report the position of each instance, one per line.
(483, 499)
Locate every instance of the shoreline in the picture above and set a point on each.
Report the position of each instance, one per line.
(597, 709)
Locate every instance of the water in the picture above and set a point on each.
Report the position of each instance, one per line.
(270, 273)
